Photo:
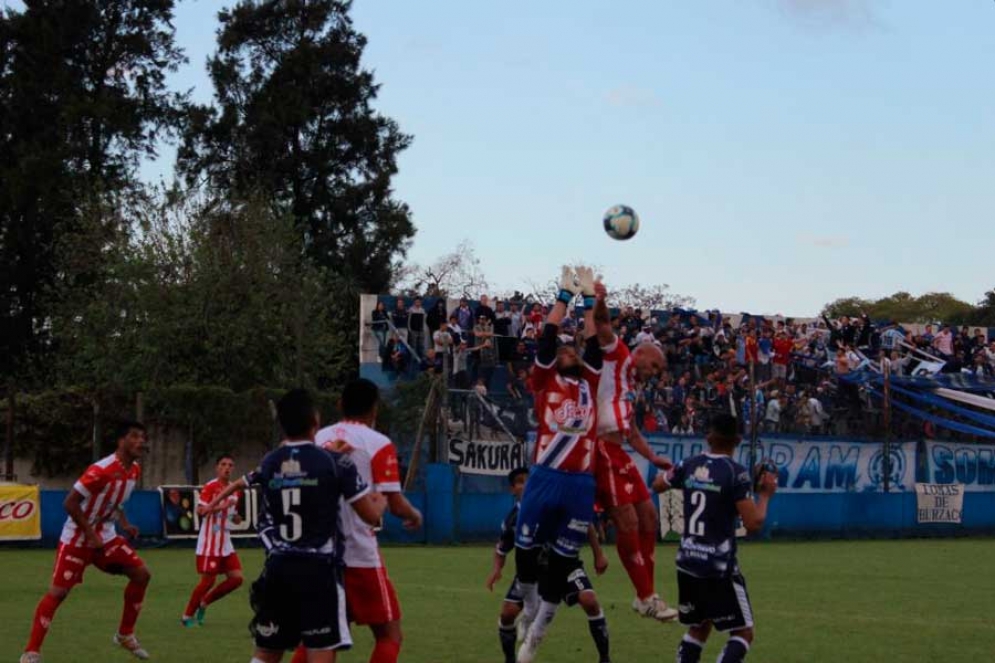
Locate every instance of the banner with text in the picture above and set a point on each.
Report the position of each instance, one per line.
(810, 466)
(939, 503)
(972, 465)
(181, 520)
(491, 457)
(20, 513)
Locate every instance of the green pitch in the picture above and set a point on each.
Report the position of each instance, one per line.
(843, 601)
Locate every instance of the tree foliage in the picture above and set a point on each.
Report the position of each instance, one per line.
(455, 274)
(905, 307)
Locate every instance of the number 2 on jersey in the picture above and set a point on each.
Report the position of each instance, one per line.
(695, 526)
(291, 497)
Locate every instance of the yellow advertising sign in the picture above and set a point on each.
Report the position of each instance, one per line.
(20, 513)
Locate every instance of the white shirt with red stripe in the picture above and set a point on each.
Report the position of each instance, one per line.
(105, 486)
(376, 460)
(215, 539)
(616, 389)
(567, 415)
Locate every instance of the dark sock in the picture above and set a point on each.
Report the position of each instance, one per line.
(507, 635)
(689, 651)
(735, 651)
(599, 632)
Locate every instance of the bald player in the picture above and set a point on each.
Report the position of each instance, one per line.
(621, 489)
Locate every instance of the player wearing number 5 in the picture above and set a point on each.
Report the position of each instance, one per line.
(710, 585)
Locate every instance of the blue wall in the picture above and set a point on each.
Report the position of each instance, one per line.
(452, 516)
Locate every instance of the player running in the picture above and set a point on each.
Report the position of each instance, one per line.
(578, 591)
(215, 552)
(370, 594)
(711, 587)
(95, 502)
(299, 598)
(558, 502)
(621, 490)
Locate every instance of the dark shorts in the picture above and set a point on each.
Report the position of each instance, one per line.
(556, 509)
(721, 601)
(577, 582)
(299, 600)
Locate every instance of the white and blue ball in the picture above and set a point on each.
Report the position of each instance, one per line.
(621, 222)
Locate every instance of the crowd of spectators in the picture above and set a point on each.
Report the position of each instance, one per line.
(795, 366)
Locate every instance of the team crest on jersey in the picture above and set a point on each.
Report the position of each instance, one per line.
(570, 410)
(267, 630)
(290, 467)
(701, 473)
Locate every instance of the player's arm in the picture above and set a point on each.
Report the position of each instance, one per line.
(496, 569)
(754, 514)
(665, 481)
(600, 559)
(370, 507)
(125, 524)
(399, 506)
(218, 501)
(596, 304)
(73, 505)
(643, 448)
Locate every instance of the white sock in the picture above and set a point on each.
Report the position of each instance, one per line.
(530, 600)
(543, 619)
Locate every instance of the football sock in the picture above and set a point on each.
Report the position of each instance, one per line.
(547, 611)
(300, 655)
(735, 651)
(134, 594)
(44, 614)
(202, 588)
(647, 546)
(222, 590)
(530, 600)
(507, 635)
(599, 631)
(632, 559)
(385, 651)
(689, 651)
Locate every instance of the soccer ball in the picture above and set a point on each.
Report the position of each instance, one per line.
(621, 222)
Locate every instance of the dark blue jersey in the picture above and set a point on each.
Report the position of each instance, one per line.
(712, 486)
(507, 541)
(301, 486)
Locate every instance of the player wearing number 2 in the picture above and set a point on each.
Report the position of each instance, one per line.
(711, 587)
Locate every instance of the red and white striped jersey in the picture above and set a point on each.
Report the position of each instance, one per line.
(616, 390)
(567, 417)
(376, 459)
(105, 486)
(215, 539)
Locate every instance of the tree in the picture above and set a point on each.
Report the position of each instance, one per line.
(904, 307)
(294, 124)
(83, 100)
(984, 313)
(455, 274)
(649, 298)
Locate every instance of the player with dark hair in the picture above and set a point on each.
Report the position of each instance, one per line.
(578, 591)
(94, 504)
(621, 489)
(558, 503)
(299, 598)
(369, 592)
(710, 585)
(215, 553)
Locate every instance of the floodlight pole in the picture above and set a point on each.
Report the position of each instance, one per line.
(886, 460)
(754, 415)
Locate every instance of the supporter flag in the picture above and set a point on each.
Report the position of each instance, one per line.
(20, 513)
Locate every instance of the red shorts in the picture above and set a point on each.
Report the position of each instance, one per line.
(619, 481)
(209, 565)
(71, 561)
(370, 596)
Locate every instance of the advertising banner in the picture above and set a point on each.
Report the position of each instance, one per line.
(939, 503)
(972, 465)
(490, 457)
(181, 521)
(20, 513)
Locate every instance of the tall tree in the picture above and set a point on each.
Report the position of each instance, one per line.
(294, 121)
(904, 307)
(83, 100)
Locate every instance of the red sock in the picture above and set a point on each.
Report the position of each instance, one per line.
(632, 559)
(385, 651)
(300, 655)
(222, 590)
(647, 541)
(44, 614)
(202, 588)
(134, 594)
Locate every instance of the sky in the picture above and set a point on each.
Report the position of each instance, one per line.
(780, 153)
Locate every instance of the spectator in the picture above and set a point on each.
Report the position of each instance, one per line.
(645, 336)
(456, 330)
(436, 317)
(535, 319)
(765, 353)
(944, 343)
(485, 311)
(442, 344)
(502, 330)
(776, 406)
(380, 326)
(483, 335)
(783, 347)
(464, 316)
(517, 321)
(400, 319)
(684, 427)
(521, 358)
(461, 366)
(417, 324)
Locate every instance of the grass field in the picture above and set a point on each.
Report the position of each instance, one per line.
(841, 601)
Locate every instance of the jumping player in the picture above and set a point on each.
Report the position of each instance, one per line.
(621, 489)
(215, 552)
(578, 591)
(711, 587)
(369, 592)
(558, 502)
(95, 502)
(299, 598)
